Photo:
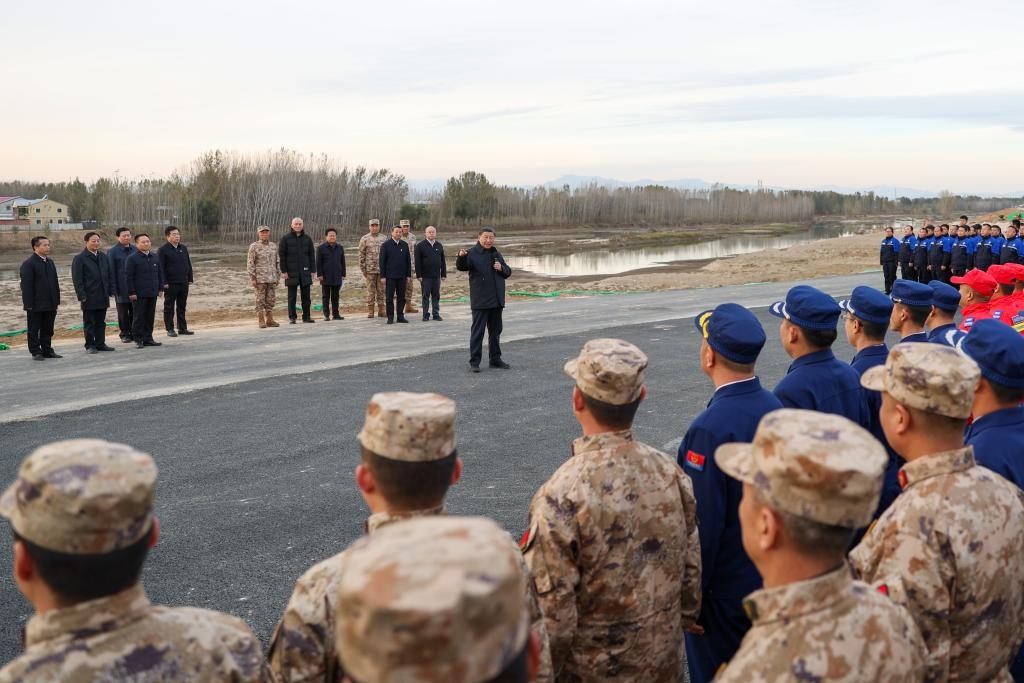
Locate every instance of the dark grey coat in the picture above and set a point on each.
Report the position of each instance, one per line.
(93, 280)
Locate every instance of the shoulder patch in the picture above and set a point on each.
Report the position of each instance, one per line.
(527, 540)
(695, 461)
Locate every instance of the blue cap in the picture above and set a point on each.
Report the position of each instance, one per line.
(807, 307)
(998, 349)
(869, 305)
(733, 331)
(910, 293)
(944, 297)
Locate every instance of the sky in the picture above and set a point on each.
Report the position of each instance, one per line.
(792, 93)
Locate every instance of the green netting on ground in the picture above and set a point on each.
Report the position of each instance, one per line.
(73, 328)
(560, 292)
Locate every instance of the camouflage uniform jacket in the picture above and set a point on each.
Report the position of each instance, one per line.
(302, 647)
(369, 252)
(411, 240)
(826, 628)
(951, 550)
(264, 263)
(614, 552)
(123, 637)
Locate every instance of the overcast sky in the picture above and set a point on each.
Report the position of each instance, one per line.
(925, 94)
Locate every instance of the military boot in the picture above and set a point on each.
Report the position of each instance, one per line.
(380, 311)
(409, 308)
(270, 320)
(262, 318)
(369, 311)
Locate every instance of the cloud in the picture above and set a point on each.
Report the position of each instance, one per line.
(488, 115)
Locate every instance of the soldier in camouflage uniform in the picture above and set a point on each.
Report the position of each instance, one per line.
(612, 542)
(951, 547)
(369, 264)
(411, 240)
(82, 515)
(408, 463)
(264, 267)
(435, 599)
(809, 481)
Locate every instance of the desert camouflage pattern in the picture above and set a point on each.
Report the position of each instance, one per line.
(410, 427)
(82, 496)
(814, 465)
(431, 599)
(830, 628)
(614, 552)
(303, 647)
(934, 378)
(125, 638)
(951, 550)
(266, 297)
(411, 240)
(263, 263)
(609, 370)
(369, 253)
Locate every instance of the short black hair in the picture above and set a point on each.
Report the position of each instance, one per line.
(140, 236)
(169, 229)
(123, 228)
(821, 339)
(37, 239)
(873, 331)
(483, 230)
(1016, 222)
(89, 235)
(611, 415)
(730, 364)
(77, 578)
(334, 230)
(918, 314)
(1006, 394)
(963, 218)
(411, 485)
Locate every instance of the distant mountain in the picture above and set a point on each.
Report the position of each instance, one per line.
(583, 180)
(881, 190)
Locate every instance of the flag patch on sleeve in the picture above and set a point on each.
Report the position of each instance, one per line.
(695, 461)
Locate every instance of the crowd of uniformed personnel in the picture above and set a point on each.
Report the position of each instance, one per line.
(861, 522)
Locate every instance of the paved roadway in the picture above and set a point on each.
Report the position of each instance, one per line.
(254, 431)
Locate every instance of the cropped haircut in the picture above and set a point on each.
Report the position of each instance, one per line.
(89, 235)
(1006, 394)
(330, 230)
(411, 485)
(873, 331)
(729, 364)
(117, 233)
(37, 239)
(808, 536)
(610, 415)
(140, 236)
(918, 314)
(931, 422)
(169, 229)
(821, 339)
(483, 230)
(77, 578)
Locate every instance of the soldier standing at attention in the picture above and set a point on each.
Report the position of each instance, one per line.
(298, 264)
(809, 480)
(962, 253)
(940, 322)
(951, 547)
(816, 380)
(908, 243)
(409, 461)
(921, 250)
(976, 288)
(912, 304)
(263, 264)
(369, 264)
(612, 542)
(409, 239)
(983, 253)
(732, 340)
(1010, 247)
(83, 522)
(435, 599)
(888, 258)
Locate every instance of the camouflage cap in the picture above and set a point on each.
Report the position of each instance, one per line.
(374, 221)
(403, 223)
(82, 497)
(818, 466)
(262, 228)
(609, 370)
(412, 427)
(431, 599)
(934, 378)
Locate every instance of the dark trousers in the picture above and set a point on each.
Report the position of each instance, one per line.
(889, 274)
(94, 326)
(305, 301)
(329, 299)
(725, 625)
(143, 315)
(489, 319)
(908, 272)
(175, 299)
(431, 290)
(395, 288)
(124, 319)
(936, 273)
(958, 271)
(40, 331)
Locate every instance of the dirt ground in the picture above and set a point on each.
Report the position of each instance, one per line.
(221, 295)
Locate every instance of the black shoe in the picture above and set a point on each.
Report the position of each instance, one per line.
(172, 333)
(127, 339)
(139, 345)
(187, 333)
(338, 317)
(91, 349)
(426, 318)
(327, 318)
(403, 320)
(308, 320)
(390, 321)
(500, 364)
(437, 317)
(474, 368)
(105, 348)
(51, 354)
(152, 342)
(38, 356)
(291, 321)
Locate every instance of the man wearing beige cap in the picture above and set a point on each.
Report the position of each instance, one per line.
(809, 481)
(82, 515)
(951, 547)
(264, 267)
(411, 240)
(612, 542)
(408, 462)
(369, 264)
(435, 599)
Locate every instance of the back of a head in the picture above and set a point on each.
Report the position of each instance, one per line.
(433, 599)
(610, 375)
(998, 350)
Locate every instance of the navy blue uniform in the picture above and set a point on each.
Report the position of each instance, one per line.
(938, 258)
(820, 381)
(864, 360)
(727, 574)
(962, 256)
(998, 440)
(921, 249)
(983, 254)
(1009, 250)
(906, 257)
(948, 335)
(887, 258)
(915, 338)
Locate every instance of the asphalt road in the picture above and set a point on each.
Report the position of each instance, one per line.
(254, 434)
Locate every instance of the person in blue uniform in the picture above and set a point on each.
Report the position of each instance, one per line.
(888, 258)
(732, 338)
(905, 256)
(938, 258)
(866, 316)
(962, 253)
(912, 303)
(816, 380)
(984, 256)
(920, 256)
(941, 322)
(997, 432)
(1010, 247)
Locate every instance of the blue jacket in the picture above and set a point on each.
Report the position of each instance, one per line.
(998, 440)
(820, 381)
(117, 255)
(1009, 250)
(907, 246)
(962, 254)
(143, 276)
(948, 335)
(862, 362)
(985, 253)
(394, 259)
(890, 248)
(921, 253)
(915, 338)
